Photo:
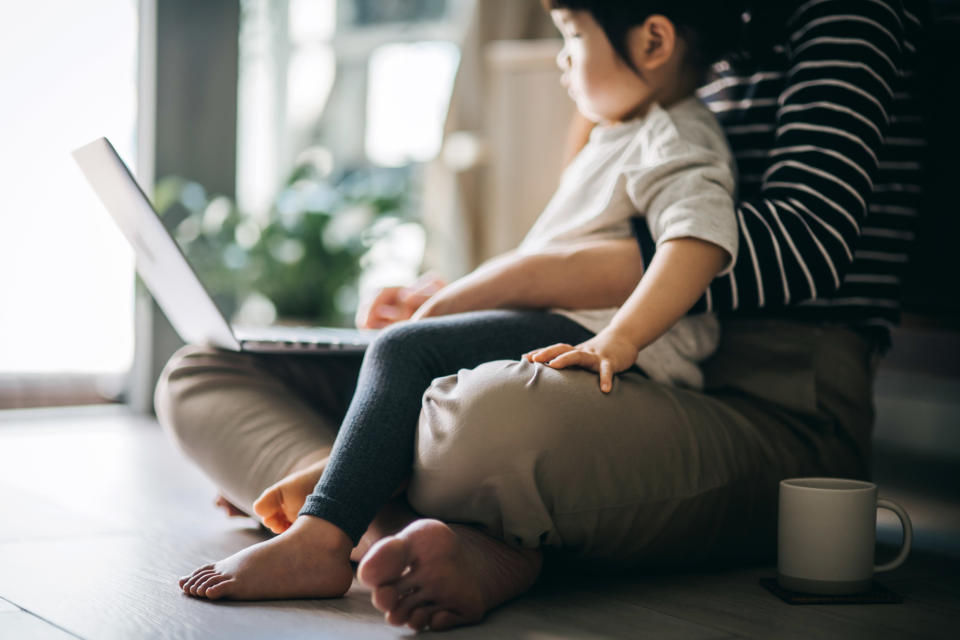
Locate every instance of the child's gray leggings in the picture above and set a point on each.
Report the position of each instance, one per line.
(373, 452)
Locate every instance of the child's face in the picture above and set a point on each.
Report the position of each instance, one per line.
(599, 81)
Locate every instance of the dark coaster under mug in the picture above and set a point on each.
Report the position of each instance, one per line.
(878, 594)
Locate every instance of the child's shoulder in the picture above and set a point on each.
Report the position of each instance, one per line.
(682, 127)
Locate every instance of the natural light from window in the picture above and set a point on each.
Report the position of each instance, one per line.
(409, 92)
(68, 72)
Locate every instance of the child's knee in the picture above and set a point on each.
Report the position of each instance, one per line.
(400, 340)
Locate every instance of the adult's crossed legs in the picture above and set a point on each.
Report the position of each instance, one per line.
(666, 475)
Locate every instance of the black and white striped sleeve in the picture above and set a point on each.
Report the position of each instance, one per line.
(798, 236)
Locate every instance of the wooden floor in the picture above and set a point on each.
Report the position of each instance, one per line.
(100, 515)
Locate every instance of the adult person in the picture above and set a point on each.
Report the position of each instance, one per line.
(823, 128)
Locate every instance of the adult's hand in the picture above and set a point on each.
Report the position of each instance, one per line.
(393, 304)
(442, 303)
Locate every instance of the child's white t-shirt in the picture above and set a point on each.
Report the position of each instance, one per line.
(673, 167)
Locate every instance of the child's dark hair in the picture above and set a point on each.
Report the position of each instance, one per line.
(711, 27)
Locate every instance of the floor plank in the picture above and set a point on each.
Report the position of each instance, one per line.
(733, 602)
(122, 515)
(108, 514)
(21, 625)
(125, 587)
(31, 516)
(116, 469)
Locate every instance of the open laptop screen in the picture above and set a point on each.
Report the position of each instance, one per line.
(160, 262)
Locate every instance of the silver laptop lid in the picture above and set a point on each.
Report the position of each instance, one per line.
(160, 262)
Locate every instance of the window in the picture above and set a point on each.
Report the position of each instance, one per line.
(407, 97)
(356, 92)
(69, 75)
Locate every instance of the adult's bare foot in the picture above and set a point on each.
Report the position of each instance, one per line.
(392, 518)
(309, 560)
(442, 576)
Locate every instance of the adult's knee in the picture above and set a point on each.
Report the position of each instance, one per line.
(488, 442)
(540, 457)
(183, 400)
(475, 419)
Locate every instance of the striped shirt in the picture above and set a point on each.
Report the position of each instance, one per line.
(828, 138)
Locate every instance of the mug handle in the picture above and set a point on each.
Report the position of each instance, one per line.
(883, 503)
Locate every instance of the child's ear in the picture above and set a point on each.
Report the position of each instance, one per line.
(653, 42)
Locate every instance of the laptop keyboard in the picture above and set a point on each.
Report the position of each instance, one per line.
(305, 337)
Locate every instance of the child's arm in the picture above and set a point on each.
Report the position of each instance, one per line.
(679, 273)
(586, 276)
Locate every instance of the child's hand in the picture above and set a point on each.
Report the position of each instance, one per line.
(606, 353)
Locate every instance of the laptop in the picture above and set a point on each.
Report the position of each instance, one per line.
(172, 280)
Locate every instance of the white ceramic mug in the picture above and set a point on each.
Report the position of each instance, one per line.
(827, 533)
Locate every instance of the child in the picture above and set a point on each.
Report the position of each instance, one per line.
(658, 152)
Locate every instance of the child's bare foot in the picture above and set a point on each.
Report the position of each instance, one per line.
(442, 576)
(309, 560)
(280, 503)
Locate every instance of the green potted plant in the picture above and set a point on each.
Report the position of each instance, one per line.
(298, 263)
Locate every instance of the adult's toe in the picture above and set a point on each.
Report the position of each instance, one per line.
(420, 616)
(385, 598)
(401, 613)
(388, 596)
(385, 562)
(447, 620)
